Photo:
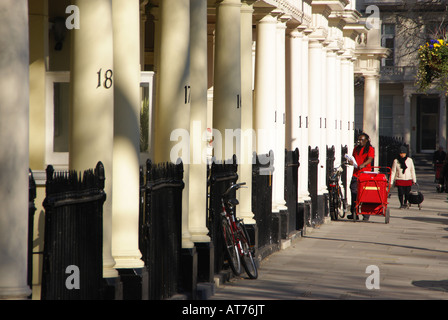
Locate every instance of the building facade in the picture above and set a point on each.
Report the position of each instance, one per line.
(419, 118)
(212, 78)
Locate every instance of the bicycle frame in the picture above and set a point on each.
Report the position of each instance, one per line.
(336, 193)
(230, 218)
(238, 233)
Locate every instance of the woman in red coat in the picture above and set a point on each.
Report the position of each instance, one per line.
(363, 154)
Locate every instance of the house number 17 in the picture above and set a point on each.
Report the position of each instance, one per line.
(107, 83)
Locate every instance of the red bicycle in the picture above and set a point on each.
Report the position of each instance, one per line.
(236, 239)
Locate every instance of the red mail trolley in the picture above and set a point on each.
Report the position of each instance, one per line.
(373, 192)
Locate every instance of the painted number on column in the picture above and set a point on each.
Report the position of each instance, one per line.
(187, 94)
(107, 83)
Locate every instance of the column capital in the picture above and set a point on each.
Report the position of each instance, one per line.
(371, 76)
(268, 18)
(247, 6)
(230, 3)
(407, 94)
(294, 33)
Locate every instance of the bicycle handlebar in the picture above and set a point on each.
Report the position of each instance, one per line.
(236, 185)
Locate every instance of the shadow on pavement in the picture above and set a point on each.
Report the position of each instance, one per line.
(441, 285)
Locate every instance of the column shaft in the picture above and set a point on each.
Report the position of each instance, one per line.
(304, 122)
(172, 137)
(331, 98)
(345, 106)
(407, 118)
(227, 78)
(125, 202)
(315, 96)
(245, 167)
(371, 112)
(14, 159)
(294, 90)
(198, 121)
(92, 102)
(278, 187)
(265, 76)
(442, 122)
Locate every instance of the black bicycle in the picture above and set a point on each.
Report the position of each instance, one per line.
(337, 202)
(236, 239)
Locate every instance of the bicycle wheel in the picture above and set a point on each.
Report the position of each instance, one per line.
(231, 248)
(247, 259)
(342, 204)
(333, 204)
(387, 216)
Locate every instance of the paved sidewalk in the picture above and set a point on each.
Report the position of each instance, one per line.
(411, 253)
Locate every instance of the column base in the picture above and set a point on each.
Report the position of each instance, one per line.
(252, 230)
(23, 293)
(189, 272)
(206, 258)
(112, 289)
(135, 283)
(284, 223)
(321, 205)
(306, 211)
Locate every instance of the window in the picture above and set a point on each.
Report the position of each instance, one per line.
(57, 109)
(146, 114)
(386, 115)
(388, 41)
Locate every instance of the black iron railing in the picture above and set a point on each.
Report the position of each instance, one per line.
(313, 161)
(262, 170)
(31, 211)
(160, 236)
(73, 240)
(221, 176)
(295, 222)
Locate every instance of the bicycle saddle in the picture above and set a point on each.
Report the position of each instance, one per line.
(233, 202)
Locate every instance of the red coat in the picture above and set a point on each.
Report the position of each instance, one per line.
(361, 157)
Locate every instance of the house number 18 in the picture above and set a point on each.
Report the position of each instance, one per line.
(107, 83)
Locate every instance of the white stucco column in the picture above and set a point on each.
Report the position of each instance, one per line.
(351, 99)
(278, 186)
(92, 105)
(315, 95)
(126, 188)
(337, 111)
(227, 79)
(371, 111)
(265, 84)
(247, 140)
(331, 132)
(322, 167)
(198, 121)
(14, 159)
(174, 96)
(294, 90)
(304, 194)
(407, 117)
(345, 105)
(442, 122)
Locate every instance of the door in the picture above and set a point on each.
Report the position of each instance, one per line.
(427, 123)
